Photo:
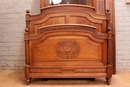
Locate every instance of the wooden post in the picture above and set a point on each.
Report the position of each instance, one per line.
(110, 5)
(109, 57)
(27, 60)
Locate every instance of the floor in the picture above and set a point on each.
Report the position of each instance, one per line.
(15, 78)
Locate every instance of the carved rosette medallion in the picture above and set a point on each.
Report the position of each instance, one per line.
(67, 49)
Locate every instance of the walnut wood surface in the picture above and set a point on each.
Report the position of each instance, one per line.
(68, 41)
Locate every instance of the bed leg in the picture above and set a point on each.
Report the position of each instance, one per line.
(108, 80)
(28, 81)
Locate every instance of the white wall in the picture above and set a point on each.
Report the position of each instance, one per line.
(122, 16)
(12, 25)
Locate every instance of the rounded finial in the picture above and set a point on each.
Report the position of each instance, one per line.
(109, 28)
(108, 10)
(26, 29)
(27, 11)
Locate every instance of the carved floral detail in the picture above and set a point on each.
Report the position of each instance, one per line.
(69, 28)
(67, 49)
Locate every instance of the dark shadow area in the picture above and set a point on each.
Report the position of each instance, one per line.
(70, 81)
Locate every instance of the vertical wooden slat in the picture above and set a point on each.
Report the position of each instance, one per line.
(100, 6)
(90, 2)
(94, 3)
(41, 3)
(44, 3)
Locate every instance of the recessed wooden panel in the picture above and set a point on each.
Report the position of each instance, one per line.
(55, 20)
(68, 48)
(46, 22)
(84, 20)
(91, 51)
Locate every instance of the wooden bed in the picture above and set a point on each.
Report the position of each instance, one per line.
(68, 41)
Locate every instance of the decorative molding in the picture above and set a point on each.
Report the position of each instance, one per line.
(45, 70)
(67, 49)
(69, 28)
(90, 70)
(68, 70)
